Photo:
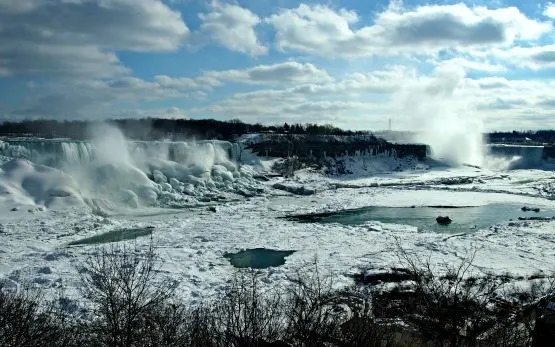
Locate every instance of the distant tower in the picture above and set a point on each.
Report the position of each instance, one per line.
(389, 124)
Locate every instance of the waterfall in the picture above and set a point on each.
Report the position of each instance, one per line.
(76, 152)
(51, 152)
(56, 152)
(519, 155)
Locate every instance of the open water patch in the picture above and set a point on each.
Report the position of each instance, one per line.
(114, 236)
(258, 258)
(464, 219)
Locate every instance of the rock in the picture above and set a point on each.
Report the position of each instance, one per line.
(530, 209)
(443, 220)
(261, 177)
(41, 281)
(53, 256)
(58, 193)
(245, 193)
(535, 218)
(14, 209)
(44, 270)
(373, 277)
(294, 189)
(455, 180)
(212, 209)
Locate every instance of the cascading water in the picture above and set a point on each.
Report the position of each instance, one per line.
(517, 156)
(76, 152)
(57, 152)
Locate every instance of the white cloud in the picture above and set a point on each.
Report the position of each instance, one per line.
(303, 111)
(205, 83)
(18, 6)
(233, 27)
(346, 102)
(167, 113)
(471, 65)
(96, 98)
(533, 57)
(83, 42)
(348, 89)
(357, 100)
(549, 10)
(164, 81)
(409, 97)
(133, 88)
(321, 30)
(80, 38)
(287, 72)
(325, 110)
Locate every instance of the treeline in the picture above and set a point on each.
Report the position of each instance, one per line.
(201, 129)
(156, 129)
(540, 136)
(128, 304)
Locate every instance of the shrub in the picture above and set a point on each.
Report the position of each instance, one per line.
(125, 294)
(26, 321)
(130, 306)
(454, 307)
(248, 314)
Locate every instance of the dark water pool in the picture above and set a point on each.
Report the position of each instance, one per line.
(258, 258)
(424, 217)
(114, 236)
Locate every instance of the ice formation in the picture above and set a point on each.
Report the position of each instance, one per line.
(25, 183)
(109, 171)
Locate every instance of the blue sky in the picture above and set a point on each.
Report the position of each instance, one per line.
(350, 63)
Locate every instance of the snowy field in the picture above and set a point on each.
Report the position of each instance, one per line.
(214, 198)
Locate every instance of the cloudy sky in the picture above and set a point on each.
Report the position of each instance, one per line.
(351, 63)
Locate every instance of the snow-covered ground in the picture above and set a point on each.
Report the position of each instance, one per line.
(44, 209)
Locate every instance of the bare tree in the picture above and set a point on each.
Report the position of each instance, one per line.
(166, 326)
(314, 310)
(202, 328)
(456, 307)
(122, 286)
(27, 321)
(248, 315)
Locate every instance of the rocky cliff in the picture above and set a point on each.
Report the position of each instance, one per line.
(321, 146)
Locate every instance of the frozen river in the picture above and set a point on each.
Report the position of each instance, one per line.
(50, 224)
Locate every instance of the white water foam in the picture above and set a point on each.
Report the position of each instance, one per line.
(455, 139)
